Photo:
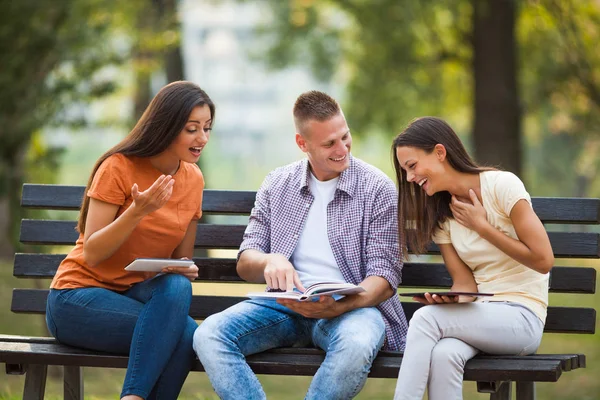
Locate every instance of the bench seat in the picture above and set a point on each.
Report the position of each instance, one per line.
(293, 361)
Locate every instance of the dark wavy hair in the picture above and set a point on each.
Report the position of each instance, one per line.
(425, 213)
(164, 118)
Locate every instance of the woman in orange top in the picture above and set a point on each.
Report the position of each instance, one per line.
(143, 199)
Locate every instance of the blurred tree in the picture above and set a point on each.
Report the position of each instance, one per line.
(406, 58)
(50, 58)
(156, 46)
(452, 58)
(561, 92)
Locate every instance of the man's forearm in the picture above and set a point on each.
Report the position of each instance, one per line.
(378, 290)
(251, 266)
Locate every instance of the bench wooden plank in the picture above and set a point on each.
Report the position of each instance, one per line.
(568, 361)
(560, 319)
(297, 363)
(62, 197)
(426, 275)
(63, 233)
(564, 244)
(567, 210)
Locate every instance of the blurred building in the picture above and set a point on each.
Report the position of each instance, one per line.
(254, 128)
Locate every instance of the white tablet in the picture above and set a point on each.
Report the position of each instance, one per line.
(156, 264)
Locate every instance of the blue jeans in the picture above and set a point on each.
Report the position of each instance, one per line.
(149, 322)
(351, 341)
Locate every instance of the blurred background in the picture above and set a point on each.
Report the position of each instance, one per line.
(518, 80)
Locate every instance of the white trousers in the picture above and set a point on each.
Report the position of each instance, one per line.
(442, 338)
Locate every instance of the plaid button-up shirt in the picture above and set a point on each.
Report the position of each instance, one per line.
(361, 225)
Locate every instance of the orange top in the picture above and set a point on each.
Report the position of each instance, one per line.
(157, 235)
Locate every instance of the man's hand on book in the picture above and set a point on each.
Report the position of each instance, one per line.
(325, 308)
(280, 274)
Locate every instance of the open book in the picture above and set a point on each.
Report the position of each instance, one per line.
(313, 291)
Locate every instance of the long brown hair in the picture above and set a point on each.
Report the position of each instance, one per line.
(164, 118)
(421, 212)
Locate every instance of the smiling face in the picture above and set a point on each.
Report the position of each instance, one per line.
(188, 145)
(327, 145)
(425, 169)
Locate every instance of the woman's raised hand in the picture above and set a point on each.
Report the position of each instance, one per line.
(473, 216)
(155, 196)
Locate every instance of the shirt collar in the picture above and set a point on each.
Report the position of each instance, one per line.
(347, 182)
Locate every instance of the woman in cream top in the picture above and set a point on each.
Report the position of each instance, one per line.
(491, 241)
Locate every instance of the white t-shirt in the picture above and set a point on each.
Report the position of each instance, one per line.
(494, 271)
(313, 257)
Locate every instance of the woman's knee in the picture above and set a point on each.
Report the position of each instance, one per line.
(451, 352)
(175, 287)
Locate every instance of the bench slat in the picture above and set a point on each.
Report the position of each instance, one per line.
(564, 244)
(556, 210)
(434, 275)
(298, 362)
(568, 361)
(53, 232)
(560, 319)
(62, 197)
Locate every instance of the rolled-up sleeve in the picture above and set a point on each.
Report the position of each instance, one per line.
(382, 250)
(258, 232)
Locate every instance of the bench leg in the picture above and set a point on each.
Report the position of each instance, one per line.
(503, 392)
(73, 383)
(35, 382)
(525, 390)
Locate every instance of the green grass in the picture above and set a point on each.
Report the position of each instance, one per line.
(102, 383)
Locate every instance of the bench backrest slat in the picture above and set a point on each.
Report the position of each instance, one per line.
(560, 319)
(212, 236)
(61, 197)
(425, 275)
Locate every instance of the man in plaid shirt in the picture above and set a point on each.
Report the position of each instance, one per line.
(328, 218)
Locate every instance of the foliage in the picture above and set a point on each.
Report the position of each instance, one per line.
(401, 59)
(392, 54)
(50, 58)
(561, 93)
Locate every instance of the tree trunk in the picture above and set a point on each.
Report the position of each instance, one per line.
(6, 247)
(11, 180)
(167, 14)
(142, 93)
(174, 64)
(497, 121)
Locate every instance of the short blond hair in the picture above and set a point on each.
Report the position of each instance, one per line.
(314, 105)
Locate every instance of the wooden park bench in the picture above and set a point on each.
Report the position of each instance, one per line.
(493, 374)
